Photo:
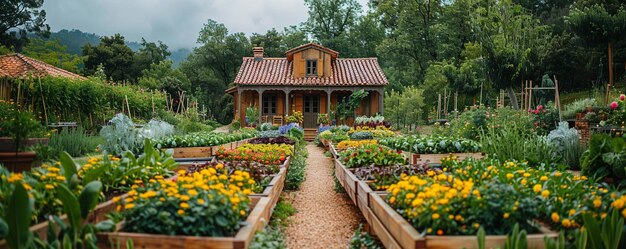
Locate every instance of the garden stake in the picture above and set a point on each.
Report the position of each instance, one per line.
(43, 100)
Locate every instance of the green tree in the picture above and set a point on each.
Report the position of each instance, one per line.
(293, 37)
(600, 22)
(149, 53)
(113, 54)
(18, 18)
(404, 107)
(510, 38)
(162, 76)
(271, 43)
(330, 20)
(212, 67)
(53, 53)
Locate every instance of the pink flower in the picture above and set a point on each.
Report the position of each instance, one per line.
(622, 97)
(539, 107)
(614, 105)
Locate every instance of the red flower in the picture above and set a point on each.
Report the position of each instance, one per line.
(614, 105)
(622, 97)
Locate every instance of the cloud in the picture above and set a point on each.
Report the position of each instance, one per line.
(175, 22)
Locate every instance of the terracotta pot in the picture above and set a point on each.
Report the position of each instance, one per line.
(17, 161)
(7, 144)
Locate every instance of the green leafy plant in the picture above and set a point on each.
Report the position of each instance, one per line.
(252, 115)
(18, 218)
(605, 233)
(362, 239)
(120, 136)
(431, 144)
(296, 173)
(566, 143)
(371, 154)
(76, 142)
(579, 106)
(201, 139)
(270, 238)
(606, 157)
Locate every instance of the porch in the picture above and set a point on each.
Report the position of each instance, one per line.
(275, 103)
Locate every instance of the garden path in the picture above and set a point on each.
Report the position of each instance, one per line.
(325, 218)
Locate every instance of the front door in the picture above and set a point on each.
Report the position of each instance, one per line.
(311, 109)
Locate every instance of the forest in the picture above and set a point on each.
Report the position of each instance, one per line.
(469, 47)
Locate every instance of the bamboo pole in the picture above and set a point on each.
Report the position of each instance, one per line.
(128, 107)
(152, 95)
(557, 97)
(439, 107)
(530, 95)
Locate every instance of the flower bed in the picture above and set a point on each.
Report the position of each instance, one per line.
(269, 154)
(272, 140)
(376, 132)
(343, 145)
(116, 174)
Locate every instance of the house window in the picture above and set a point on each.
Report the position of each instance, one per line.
(269, 105)
(311, 67)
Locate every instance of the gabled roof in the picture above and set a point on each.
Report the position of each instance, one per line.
(19, 66)
(333, 54)
(279, 71)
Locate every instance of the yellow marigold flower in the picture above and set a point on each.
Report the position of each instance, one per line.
(184, 205)
(129, 206)
(619, 204)
(201, 201)
(184, 198)
(545, 193)
(566, 223)
(555, 217)
(27, 186)
(49, 186)
(476, 225)
(116, 199)
(509, 176)
(526, 174)
(181, 212)
(435, 216)
(557, 174)
(543, 178)
(602, 215)
(624, 213)
(458, 217)
(597, 203)
(392, 200)
(161, 199)
(537, 188)
(505, 215)
(242, 212)
(572, 212)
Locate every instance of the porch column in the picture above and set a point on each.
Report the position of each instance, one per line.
(328, 93)
(260, 104)
(239, 106)
(381, 102)
(287, 92)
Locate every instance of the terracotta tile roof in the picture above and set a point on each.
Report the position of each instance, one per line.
(278, 71)
(18, 65)
(290, 52)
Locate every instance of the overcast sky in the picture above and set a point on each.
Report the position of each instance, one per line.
(175, 22)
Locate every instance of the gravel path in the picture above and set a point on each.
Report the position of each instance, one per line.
(223, 129)
(325, 219)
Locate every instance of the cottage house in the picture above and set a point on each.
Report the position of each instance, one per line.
(310, 78)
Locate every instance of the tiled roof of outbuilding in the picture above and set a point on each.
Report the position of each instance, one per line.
(18, 66)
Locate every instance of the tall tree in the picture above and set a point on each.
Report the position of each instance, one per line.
(18, 18)
(329, 20)
(293, 37)
(510, 38)
(598, 22)
(113, 54)
(213, 66)
(149, 53)
(270, 41)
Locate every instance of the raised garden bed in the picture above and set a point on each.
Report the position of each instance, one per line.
(256, 220)
(206, 151)
(436, 158)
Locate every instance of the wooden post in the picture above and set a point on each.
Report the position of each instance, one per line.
(530, 95)
(456, 96)
(43, 100)
(439, 106)
(152, 95)
(128, 107)
(608, 87)
(557, 97)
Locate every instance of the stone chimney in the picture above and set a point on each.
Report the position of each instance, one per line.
(258, 53)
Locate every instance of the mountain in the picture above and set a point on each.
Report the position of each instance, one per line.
(75, 39)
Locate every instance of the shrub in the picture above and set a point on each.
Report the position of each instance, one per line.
(76, 142)
(546, 118)
(120, 135)
(566, 143)
(361, 135)
(517, 142)
(271, 154)
(156, 129)
(578, 106)
(270, 133)
(266, 127)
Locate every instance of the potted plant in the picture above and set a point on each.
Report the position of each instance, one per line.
(19, 130)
